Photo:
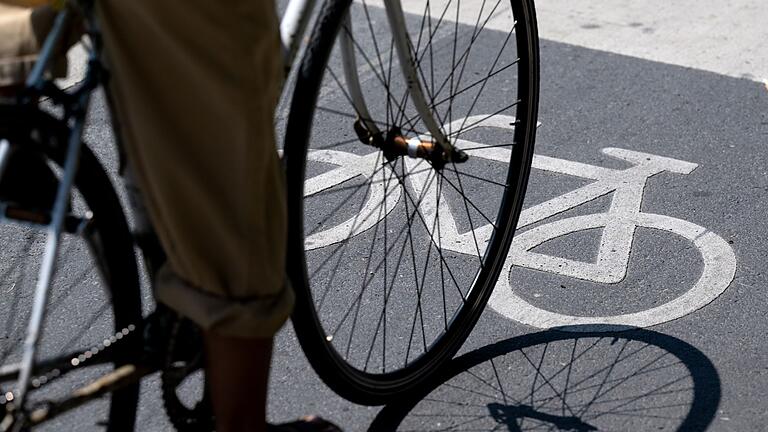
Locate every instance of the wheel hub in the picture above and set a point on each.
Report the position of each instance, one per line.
(395, 145)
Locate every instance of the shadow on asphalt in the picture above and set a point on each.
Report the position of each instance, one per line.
(565, 381)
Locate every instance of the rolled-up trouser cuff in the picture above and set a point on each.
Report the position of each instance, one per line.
(256, 317)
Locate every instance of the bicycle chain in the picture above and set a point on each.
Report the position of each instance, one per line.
(76, 362)
(197, 419)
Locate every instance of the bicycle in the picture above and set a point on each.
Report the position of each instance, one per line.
(47, 155)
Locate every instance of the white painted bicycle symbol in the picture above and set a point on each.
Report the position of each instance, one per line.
(618, 225)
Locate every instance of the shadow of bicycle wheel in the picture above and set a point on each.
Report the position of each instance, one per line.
(554, 380)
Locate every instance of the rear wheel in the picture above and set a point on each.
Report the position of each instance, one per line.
(393, 257)
(93, 315)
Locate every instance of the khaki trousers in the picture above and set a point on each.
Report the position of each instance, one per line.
(195, 85)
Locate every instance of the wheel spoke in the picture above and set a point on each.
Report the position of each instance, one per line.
(398, 251)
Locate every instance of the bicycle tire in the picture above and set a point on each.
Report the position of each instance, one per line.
(348, 374)
(109, 243)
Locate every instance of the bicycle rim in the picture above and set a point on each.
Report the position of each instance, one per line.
(85, 315)
(402, 253)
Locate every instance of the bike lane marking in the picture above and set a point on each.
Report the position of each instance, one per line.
(719, 269)
(618, 223)
(350, 166)
(627, 186)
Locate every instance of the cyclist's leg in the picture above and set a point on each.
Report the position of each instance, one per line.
(195, 85)
(195, 95)
(234, 361)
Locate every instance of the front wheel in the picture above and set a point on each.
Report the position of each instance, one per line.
(394, 250)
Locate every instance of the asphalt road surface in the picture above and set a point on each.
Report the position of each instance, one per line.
(654, 120)
(682, 81)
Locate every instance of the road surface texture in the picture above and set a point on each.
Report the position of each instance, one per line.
(654, 124)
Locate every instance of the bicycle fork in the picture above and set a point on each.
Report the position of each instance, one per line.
(434, 145)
